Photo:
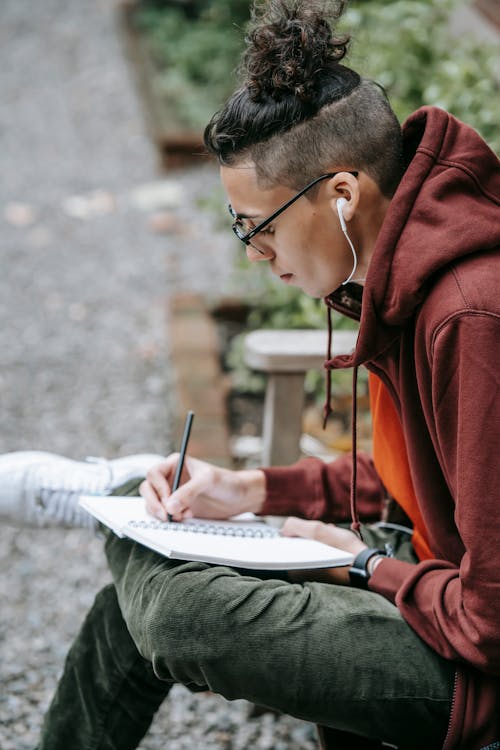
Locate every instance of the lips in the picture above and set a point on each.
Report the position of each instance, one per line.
(286, 277)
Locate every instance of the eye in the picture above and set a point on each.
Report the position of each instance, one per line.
(246, 224)
(268, 230)
(242, 226)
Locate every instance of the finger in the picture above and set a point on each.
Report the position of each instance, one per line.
(161, 475)
(153, 503)
(179, 503)
(300, 527)
(158, 476)
(321, 532)
(327, 533)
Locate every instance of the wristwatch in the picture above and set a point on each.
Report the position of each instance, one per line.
(358, 572)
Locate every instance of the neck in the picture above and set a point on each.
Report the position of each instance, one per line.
(366, 226)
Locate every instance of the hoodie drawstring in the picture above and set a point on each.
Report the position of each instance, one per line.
(355, 524)
(327, 409)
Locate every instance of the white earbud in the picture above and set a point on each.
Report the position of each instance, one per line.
(341, 202)
(340, 210)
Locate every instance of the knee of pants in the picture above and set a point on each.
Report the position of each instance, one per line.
(191, 619)
(177, 616)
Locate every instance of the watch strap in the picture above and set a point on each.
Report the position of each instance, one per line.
(358, 572)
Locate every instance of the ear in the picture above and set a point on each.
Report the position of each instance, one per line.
(344, 185)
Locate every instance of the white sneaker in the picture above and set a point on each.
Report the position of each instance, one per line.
(42, 489)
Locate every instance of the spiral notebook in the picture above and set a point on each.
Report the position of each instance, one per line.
(244, 541)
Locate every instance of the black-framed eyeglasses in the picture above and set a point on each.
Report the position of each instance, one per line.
(246, 235)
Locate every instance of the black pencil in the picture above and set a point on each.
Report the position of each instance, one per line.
(184, 444)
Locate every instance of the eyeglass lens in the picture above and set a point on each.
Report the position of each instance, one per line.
(243, 226)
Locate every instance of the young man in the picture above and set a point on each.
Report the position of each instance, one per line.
(400, 229)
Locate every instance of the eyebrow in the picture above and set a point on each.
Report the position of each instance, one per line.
(244, 216)
(248, 216)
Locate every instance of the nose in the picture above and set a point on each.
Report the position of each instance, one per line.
(254, 255)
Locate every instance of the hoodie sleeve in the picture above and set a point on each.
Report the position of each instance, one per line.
(317, 490)
(455, 608)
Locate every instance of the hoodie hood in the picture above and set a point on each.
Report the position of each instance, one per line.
(452, 177)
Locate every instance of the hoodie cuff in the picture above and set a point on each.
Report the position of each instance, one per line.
(389, 576)
(291, 490)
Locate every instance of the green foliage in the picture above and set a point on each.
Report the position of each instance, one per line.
(405, 45)
(195, 58)
(408, 47)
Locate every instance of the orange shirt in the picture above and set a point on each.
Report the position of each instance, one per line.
(391, 462)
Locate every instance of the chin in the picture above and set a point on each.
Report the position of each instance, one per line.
(321, 288)
(314, 293)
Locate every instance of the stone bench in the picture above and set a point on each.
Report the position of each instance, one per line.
(285, 357)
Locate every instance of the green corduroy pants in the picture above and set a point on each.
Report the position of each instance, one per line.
(331, 655)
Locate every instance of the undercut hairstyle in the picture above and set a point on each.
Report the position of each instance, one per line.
(299, 111)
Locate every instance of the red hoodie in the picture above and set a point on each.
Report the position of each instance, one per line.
(430, 330)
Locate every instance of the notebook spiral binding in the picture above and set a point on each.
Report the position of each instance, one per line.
(208, 528)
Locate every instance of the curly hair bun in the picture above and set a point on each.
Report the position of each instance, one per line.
(291, 47)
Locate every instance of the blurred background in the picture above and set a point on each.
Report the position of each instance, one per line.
(111, 221)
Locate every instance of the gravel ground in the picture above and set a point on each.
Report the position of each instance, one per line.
(84, 285)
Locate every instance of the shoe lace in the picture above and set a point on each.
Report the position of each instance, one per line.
(57, 498)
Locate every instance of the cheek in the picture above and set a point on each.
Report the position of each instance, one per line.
(306, 244)
(318, 231)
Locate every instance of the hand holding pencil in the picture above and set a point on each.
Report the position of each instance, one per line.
(184, 487)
